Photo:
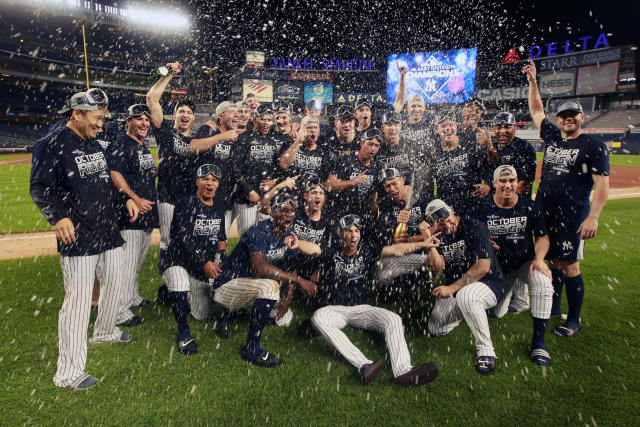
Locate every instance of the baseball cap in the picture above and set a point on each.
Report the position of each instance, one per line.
(391, 116)
(504, 118)
(282, 107)
(137, 110)
(436, 211)
(91, 100)
(313, 182)
(225, 106)
(371, 133)
(207, 169)
(309, 119)
(389, 173)
(363, 102)
(263, 109)
(570, 106)
(284, 199)
(348, 221)
(186, 102)
(345, 112)
(505, 170)
(314, 104)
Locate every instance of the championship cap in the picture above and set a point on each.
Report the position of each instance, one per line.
(391, 116)
(504, 118)
(436, 211)
(224, 107)
(263, 110)
(314, 104)
(345, 112)
(91, 100)
(349, 221)
(283, 199)
(505, 170)
(570, 106)
(137, 110)
(309, 120)
(207, 169)
(362, 102)
(389, 173)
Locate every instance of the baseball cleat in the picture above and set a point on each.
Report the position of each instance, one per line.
(86, 383)
(125, 337)
(566, 332)
(134, 321)
(517, 310)
(144, 303)
(264, 359)
(485, 365)
(187, 346)
(540, 357)
(222, 328)
(370, 371)
(418, 375)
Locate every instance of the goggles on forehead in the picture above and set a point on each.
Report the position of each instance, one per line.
(97, 97)
(138, 110)
(314, 104)
(504, 119)
(281, 107)
(349, 221)
(188, 103)
(345, 112)
(371, 134)
(312, 183)
(391, 117)
(389, 173)
(438, 215)
(283, 199)
(263, 110)
(207, 169)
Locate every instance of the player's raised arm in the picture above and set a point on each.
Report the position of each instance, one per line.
(156, 91)
(536, 107)
(401, 94)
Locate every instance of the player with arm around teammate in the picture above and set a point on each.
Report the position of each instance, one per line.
(344, 290)
(71, 185)
(573, 164)
(473, 276)
(513, 221)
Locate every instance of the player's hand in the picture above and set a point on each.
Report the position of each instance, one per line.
(291, 241)
(230, 135)
(212, 270)
(530, 71)
(133, 210)
(143, 205)
(431, 241)
(290, 183)
(523, 187)
(361, 178)
(402, 69)
(65, 231)
(482, 190)
(404, 216)
(483, 138)
(588, 228)
(307, 287)
(283, 307)
(496, 247)
(443, 292)
(175, 66)
(541, 266)
(299, 136)
(266, 185)
(254, 197)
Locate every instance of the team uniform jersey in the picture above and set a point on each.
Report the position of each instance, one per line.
(175, 170)
(357, 199)
(345, 279)
(515, 228)
(258, 238)
(219, 155)
(400, 156)
(79, 188)
(462, 249)
(205, 131)
(196, 230)
(255, 159)
(521, 155)
(135, 163)
(388, 219)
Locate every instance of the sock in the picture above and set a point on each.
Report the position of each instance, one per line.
(539, 328)
(232, 317)
(558, 283)
(575, 294)
(258, 320)
(181, 309)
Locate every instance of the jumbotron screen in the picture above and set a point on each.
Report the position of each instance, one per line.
(439, 77)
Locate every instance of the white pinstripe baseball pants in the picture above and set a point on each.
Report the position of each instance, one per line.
(179, 280)
(541, 292)
(470, 303)
(229, 216)
(392, 267)
(73, 319)
(247, 215)
(136, 247)
(165, 215)
(520, 296)
(331, 319)
(243, 291)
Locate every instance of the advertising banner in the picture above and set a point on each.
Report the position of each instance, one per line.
(579, 59)
(262, 89)
(352, 97)
(503, 93)
(557, 84)
(322, 91)
(291, 92)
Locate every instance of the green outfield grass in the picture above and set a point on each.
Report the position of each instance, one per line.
(15, 156)
(146, 382)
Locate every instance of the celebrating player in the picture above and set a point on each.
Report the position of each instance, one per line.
(573, 164)
(473, 276)
(362, 109)
(71, 185)
(513, 222)
(343, 298)
(196, 250)
(304, 156)
(343, 141)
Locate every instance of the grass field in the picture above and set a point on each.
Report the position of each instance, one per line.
(591, 382)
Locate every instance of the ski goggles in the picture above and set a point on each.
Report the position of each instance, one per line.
(389, 173)
(137, 110)
(207, 169)
(373, 133)
(436, 211)
(91, 100)
(349, 221)
(186, 102)
(504, 119)
(282, 200)
(391, 116)
(281, 107)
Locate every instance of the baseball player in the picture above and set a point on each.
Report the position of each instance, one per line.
(243, 116)
(513, 222)
(574, 163)
(473, 130)
(473, 276)
(133, 172)
(71, 185)
(343, 141)
(196, 250)
(253, 272)
(363, 114)
(344, 286)
(395, 151)
(252, 102)
(282, 121)
(313, 108)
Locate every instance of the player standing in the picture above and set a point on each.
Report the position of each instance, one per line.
(573, 164)
(304, 156)
(362, 109)
(70, 183)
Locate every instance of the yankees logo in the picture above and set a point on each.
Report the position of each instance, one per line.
(567, 246)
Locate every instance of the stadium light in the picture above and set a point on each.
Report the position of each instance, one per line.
(158, 18)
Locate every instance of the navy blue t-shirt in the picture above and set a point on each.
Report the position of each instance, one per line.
(319, 232)
(462, 249)
(205, 131)
(259, 238)
(388, 219)
(316, 163)
(515, 229)
(357, 199)
(196, 229)
(567, 171)
(175, 170)
(518, 153)
(135, 163)
(220, 155)
(78, 186)
(255, 158)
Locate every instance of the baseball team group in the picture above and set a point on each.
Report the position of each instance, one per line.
(403, 206)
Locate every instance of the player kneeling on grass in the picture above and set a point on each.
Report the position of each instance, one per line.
(197, 236)
(344, 286)
(262, 259)
(513, 222)
(474, 277)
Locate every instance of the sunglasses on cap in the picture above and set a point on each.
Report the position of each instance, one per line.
(282, 200)
(438, 215)
(138, 110)
(389, 173)
(371, 134)
(349, 221)
(504, 119)
(207, 169)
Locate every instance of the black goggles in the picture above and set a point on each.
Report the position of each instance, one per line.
(281, 107)
(138, 110)
(345, 112)
(97, 97)
(372, 134)
(391, 117)
(504, 119)
(207, 169)
(438, 215)
(263, 110)
(282, 200)
(314, 104)
(312, 183)
(389, 173)
(349, 221)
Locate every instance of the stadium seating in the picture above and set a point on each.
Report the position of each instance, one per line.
(627, 118)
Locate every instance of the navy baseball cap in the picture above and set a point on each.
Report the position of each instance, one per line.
(207, 169)
(282, 200)
(573, 106)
